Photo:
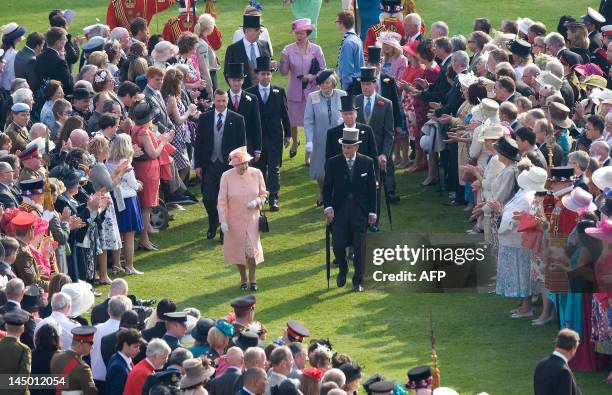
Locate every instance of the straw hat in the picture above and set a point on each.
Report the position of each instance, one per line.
(467, 79)
(239, 156)
(487, 109)
(533, 179)
(491, 132)
(548, 78)
(594, 80)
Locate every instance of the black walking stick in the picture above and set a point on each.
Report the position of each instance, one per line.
(327, 252)
(383, 174)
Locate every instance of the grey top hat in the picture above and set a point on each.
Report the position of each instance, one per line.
(350, 136)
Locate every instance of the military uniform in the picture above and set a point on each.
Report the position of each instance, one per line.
(19, 137)
(177, 25)
(120, 13)
(25, 267)
(29, 174)
(390, 24)
(243, 303)
(69, 364)
(16, 356)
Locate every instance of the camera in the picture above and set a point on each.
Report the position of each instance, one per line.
(142, 307)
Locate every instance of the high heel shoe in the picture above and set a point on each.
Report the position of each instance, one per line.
(151, 248)
(118, 269)
(104, 281)
(429, 183)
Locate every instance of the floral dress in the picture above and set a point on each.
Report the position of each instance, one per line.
(602, 309)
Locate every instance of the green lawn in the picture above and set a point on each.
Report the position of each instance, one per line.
(479, 347)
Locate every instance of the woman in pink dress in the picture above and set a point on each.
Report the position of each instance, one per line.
(303, 60)
(413, 71)
(147, 170)
(242, 195)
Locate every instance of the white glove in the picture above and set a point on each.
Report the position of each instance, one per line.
(253, 203)
(309, 146)
(224, 227)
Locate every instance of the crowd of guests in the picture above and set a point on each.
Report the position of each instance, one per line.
(514, 124)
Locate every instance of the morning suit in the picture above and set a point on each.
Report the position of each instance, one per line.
(436, 91)
(552, 376)
(366, 136)
(236, 53)
(248, 107)
(275, 126)
(49, 66)
(352, 195)
(232, 135)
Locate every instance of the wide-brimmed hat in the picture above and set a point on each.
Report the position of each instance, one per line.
(487, 109)
(603, 231)
(253, 21)
(559, 115)
(96, 43)
(302, 24)
(234, 70)
(164, 50)
(12, 31)
(593, 80)
(508, 148)
(548, 78)
(195, 373)
(578, 200)
(41, 143)
(599, 96)
(466, 79)
(143, 112)
(390, 38)
(82, 297)
(519, 47)
(67, 174)
(602, 178)
(491, 132)
(239, 156)
(374, 54)
(347, 103)
(589, 69)
(350, 136)
(323, 76)
(263, 63)
(533, 179)
(411, 47)
(524, 24)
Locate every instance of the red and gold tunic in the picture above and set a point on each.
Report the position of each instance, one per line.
(391, 24)
(120, 13)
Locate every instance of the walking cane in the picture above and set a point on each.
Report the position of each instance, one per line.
(327, 252)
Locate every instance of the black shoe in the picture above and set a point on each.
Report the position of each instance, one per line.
(254, 287)
(319, 203)
(373, 228)
(292, 153)
(243, 287)
(341, 280)
(358, 288)
(221, 237)
(394, 198)
(274, 205)
(211, 233)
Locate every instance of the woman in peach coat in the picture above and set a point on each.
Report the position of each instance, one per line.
(242, 195)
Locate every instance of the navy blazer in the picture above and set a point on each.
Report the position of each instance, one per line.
(172, 341)
(117, 373)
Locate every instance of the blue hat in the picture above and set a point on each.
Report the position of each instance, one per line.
(12, 31)
(96, 43)
(20, 107)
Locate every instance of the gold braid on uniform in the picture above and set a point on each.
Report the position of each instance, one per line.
(120, 14)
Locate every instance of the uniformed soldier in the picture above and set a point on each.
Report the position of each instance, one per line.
(382, 387)
(122, 12)
(176, 327)
(295, 332)
(16, 356)
(391, 21)
(593, 20)
(31, 164)
(69, 363)
(17, 130)
(181, 23)
(25, 264)
(599, 57)
(244, 309)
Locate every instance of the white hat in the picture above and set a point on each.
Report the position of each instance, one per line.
(548, 78)
(606, 30)
(533, 179)
(487, 109)
(524, 24)
(444, 391)
(578, 200)
(390, 38)
(594, 15)
(602, 177)
(490, 132)
(467, 79)
(599, 96)
(82, 297)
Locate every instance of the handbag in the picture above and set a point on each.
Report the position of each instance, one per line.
(467, 176)
(263, 222)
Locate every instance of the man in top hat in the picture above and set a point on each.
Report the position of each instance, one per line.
(247, 105)
(18, 128)
(219, 132)
(247, 50)
(295, 332)
(419, 380)
(348, 111)
(25, 265)
(69, 363)
(31, 164)
(16, 356)
(349, 198)
(176, 327)
(350, 53)
(122, 12)
(184, 22)
(391, 20)
(244, 309)
(277, 131)
(593, 20)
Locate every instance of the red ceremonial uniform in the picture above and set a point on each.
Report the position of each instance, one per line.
(566, 220)
(177, 25)
(122, 12)
(391, 24)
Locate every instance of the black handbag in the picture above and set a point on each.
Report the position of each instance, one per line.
(263, 222)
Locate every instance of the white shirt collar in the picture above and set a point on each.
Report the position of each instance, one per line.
(245, 389)
(365, 98)
(261, 87)
(247, 43)
(412, 38)
(14, 301)
(557, 353)
(217, 114)
(347, 126)
(445, 59)
(127, 359)
(235, 94)
(353, 158)
(58, 316)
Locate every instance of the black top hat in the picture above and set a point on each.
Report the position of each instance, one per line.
(246, 339)
(263, 63)
(347, 103)
(562, 173)
(235, 70)
(508, 148)
(374, 54)
(251, 21)
(368, 74)
(519, 47)
(143, 112)
(375, 378)
(324, 75)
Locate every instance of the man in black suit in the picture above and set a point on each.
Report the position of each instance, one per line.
(99, 313)
(247, 105)
(349, 198)
(349, 116)
(225, 384)
(50, 65)
(57, 18)
(277, 128)
(553, 376)
(255, 382)
(247, 50)
(164, 306)
(15, 290)
(7, 195)
(25, 60)
(219, 132)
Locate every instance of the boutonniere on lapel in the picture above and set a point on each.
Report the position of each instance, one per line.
(380, 102)
(274, 90)
(362, 132)
(386, 80)
(248, 98)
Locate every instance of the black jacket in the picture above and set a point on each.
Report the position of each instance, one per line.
(453, 99)
(248, 107)
(49, 66)
(366, 135)
(274, 117)
(7, 197)
(236, 53)
(234, 136)
(339, 188)
(388, 90)
(437, 91)
(552, 376)
(25, 65)
(155, 332)
(224, 385)
(99, 313)
(41, 361)
(27, 337)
